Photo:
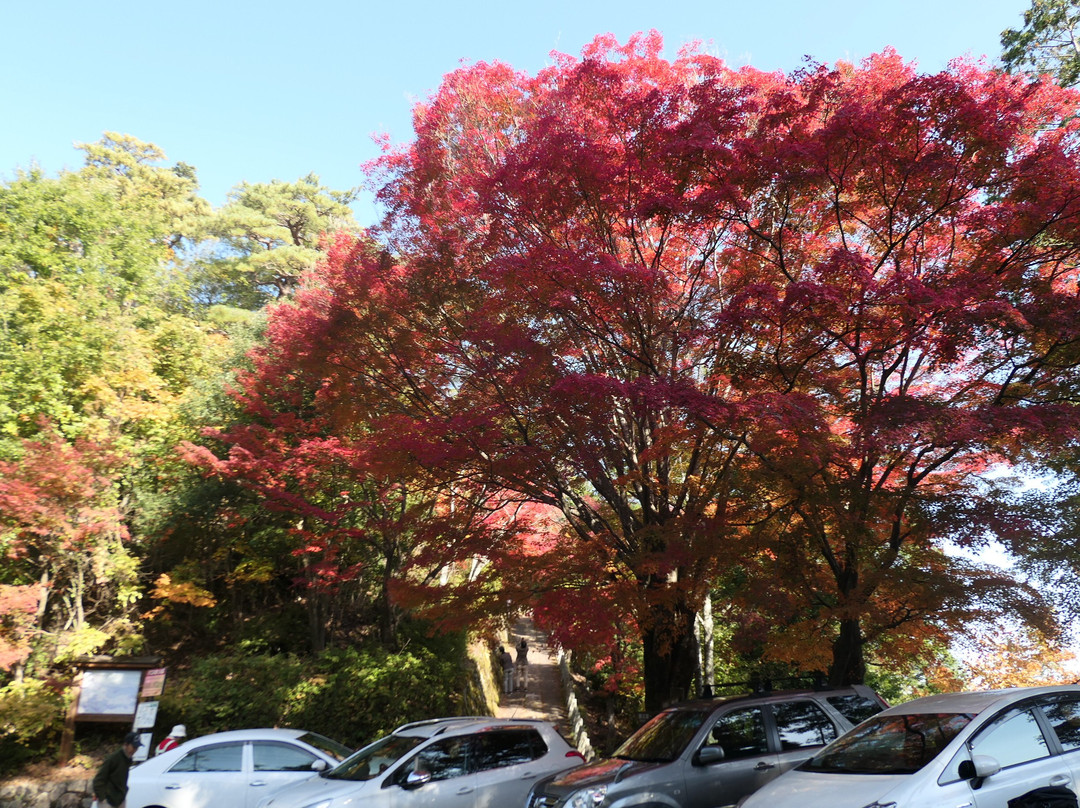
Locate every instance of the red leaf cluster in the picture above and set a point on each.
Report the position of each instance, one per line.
(716, 318)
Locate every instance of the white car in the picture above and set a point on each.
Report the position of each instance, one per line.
(443, 763)
(230, 769)
(968, 750)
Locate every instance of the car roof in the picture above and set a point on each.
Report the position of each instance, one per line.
(975, 702)
(767, 695)
(456, 724)
(258, 734)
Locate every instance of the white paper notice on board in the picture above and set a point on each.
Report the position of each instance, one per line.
(146, 715)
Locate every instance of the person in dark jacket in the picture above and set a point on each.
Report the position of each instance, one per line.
(507, 662)
(523, 664)
(110, 782)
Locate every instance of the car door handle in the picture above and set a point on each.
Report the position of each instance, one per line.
(465, 790)
(173, 786)
(1060, 780)
(763, 766)
(257, 783)
(529, 776)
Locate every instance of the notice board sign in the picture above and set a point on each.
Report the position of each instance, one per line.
(153, 684)
(108, 689)
(109, 694)
(143, 752)
(146, 715)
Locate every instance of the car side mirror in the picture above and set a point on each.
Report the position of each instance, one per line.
(319, 766)
(708, 754)
(978, 769)
(416, 779)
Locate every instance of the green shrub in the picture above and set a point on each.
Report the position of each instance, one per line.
(229, 691)
(352, 695)
(31, 720)
(356, 695)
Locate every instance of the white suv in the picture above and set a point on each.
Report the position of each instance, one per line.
(978, 750)
(446, 762)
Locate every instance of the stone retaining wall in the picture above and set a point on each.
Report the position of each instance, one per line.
(573, 712)
(41, 794)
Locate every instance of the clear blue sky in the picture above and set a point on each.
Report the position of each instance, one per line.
(273, 90)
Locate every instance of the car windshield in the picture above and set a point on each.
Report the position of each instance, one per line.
(374, 759)
(664, 737)
(332, 748)
(889, 744)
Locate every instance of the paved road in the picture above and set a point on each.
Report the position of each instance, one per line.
(543, 697)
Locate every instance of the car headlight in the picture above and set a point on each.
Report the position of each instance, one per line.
(587, 797)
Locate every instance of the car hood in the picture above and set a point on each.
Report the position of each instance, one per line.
(603, 771)
(312, 790)
(799, 789)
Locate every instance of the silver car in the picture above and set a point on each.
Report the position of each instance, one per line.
(234, 769)
(443, 763)
(987, 749)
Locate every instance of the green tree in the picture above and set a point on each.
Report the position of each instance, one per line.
(95, 333)
(266, 237)
(1047, 42)
(98, 348)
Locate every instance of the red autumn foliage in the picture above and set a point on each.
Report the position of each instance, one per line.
(714, 317)
(58, 516)
(17, 607)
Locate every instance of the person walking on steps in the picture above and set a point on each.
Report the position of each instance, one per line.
(507, 663)
(523, 664)
(111, 781)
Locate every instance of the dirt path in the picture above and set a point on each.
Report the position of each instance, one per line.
(543, 697)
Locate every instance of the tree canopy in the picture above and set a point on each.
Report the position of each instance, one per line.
(640, 341)
(1047, 41)
(720, 319)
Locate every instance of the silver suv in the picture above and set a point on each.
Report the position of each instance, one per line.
(711, 753)
(445, 762)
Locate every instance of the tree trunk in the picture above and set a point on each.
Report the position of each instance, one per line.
(316, 612)
(706, 648)
(669, 656)
(849, 666)
(388, 615)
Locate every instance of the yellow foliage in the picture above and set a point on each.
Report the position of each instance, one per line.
(181, 592)
(1019, 659)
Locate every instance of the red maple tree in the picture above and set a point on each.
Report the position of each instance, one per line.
(61, 535)
(677, 302)
(368, 528)
(920, 234)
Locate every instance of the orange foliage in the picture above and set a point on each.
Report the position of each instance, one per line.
(1019, 659)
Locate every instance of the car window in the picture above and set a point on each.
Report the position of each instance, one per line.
(889, 744)
(854, 707)
(1064, 717)
(1011, 739)
(225, 757)
(664, 737)
(281, 757)
(443, 759)
(802, 724)
(326, 745)
(374, 759)
(507, 747)
(740, 733)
